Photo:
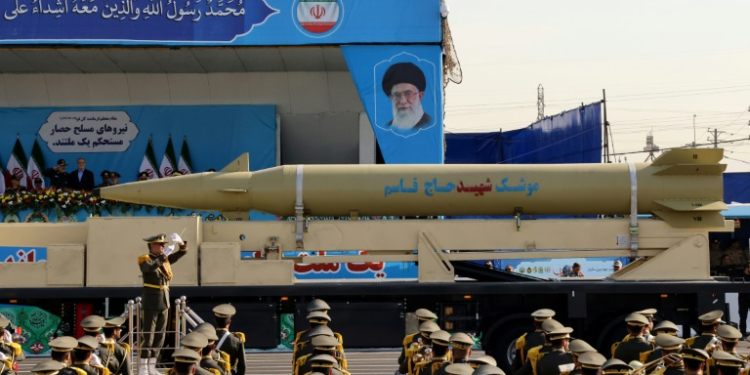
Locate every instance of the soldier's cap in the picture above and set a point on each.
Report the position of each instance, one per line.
(723, 358)
(579, 346)
(440, 337)
(488, 370)
(323, 360)
(159, 238)
(696, 354)
(322, 342)
(318, 317)
(105, 173)
(93, 323)
(711, 317)
(3, 322)
(48, 366)
(459, 369)
(37, 179)
(61, 162)
(550, 325)
(176, 173)
(560, 333)
(428, 327)
(424, 314)
(543, 314)
(335, 371)
(87, 343)
(63, 344)
(591, 360)
(635, 364)
(16, 176)
(320, 330)
(318, 305)
(460, 340)
(483, 360)
(636, 319)
(195, 340)
(186, 356)
(648, 313)
(115, 322)
(143, 174)
(224, 311)
(615, 366)
(668, 342)
(666, 326)
(728, 333)
(114, 174)
(207, 330)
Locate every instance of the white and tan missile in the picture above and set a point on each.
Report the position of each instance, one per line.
(683, 187)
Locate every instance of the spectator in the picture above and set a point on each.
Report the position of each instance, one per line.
(743, 300)
(15, 185)
(82, 178)
(489, 265)
(617, 266)
(143, 176)
(738, 256)
(114, 178)
(508, 268)
(38, 185)
(575, 271)
(725, 268)
(105, 179)
(58, 178)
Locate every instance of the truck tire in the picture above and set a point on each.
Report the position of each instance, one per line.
(502, 345)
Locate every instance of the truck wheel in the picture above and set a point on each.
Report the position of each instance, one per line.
(503, 346)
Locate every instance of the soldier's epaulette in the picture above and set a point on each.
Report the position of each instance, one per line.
(225, 361)
(143, 259)
(644, 356)
(339, 337)
(690, 341)
(302, 360)
(240, 335)
(78, 370)
(17, 349)
(614, 347)
(127, 347)
(102, 370)
(342, 363)
(213, 370)
(521, 342)
(408, 339)
(6, 364)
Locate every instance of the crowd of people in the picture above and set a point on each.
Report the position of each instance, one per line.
(80, 179)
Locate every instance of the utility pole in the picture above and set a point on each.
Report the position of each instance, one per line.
(540, 103)
(694, 130)
(715, 139)
(606, 127)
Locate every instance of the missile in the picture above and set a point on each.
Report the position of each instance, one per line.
(682, 186)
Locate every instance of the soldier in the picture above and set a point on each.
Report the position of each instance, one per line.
(317, 315)
(531, 339)
(578, 347)
(461, 344)
(48, 367)
(726, 363)
(536, 353)
(208, 360)
(185, 362)
(196, 341)
(157, 273)
(321, 344)
(219, 356)
(423, 315)
(658, 351)
(666, 326)
(484, 360)
(710, 322)
(457, 369)
(614, 366)
(82, 357)
(729, 337)
(439, 356)
(631, 348)
(649, 314)
(488, 370)
(58, 178)
(112, 330)
(61, 349)
(92, 326)
(325, 364)
(694, 361)
(105, 179)
(558, 360)
(232, 343)
(591, 363)
(12, 351)
(417, 350)
(670, 346)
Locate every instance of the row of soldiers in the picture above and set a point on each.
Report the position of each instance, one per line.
(647, 349)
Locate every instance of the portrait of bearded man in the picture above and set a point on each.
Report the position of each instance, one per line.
(404, 83)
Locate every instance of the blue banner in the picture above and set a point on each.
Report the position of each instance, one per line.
(18, 254)
(557, 268)
(219, 22)
(402, 91)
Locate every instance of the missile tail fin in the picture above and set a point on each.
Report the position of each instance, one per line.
(689, 156)
(696, 219)
(693, 169)
(693, 205)
(241, 164)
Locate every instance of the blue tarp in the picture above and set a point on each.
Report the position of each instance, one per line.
(737, 187)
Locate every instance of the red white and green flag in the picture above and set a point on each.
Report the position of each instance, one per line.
(148, 164)
(17, 164)
(36, 163)
(2, 180)
(318, 16)
(185, 165)
(167, 166)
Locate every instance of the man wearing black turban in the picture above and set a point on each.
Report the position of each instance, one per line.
(404, 83)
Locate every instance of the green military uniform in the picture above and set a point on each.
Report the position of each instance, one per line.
(536, 353)
(418, 348)
(631, 349)
(83, 367)
(557, 361)
(461, 344)
(325, 364)
(729, 337)
(196, 341)
(185, 360)
(92, 326)
(615, 366)
(591, 362)
(578, 347)
(12, 351)
(727, 363)
(58, 179)
(423, 315)
(231, 343)
(157, 273)
(707, 339)
(121, 351)
(316, 318)
(217, 355)
(531, 339)
(670, 345)
(62, 347)
(440, 342)
(321, 344)
(208, 360)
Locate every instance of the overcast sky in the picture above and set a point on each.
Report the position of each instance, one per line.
(661, 62)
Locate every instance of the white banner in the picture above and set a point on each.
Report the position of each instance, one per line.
(88, 131)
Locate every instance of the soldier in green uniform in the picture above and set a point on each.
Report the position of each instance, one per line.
(666, 326)
(82, 357)
(122, 352)
(726, 363)
(196, 341)
(536, 353)
(325, 364)
(317, 318)
(438, 357)
(217, 355)
(649, 314)
(208, 360)
(707, 340)
(558, 360)
(484, 360)
(185, 362)
(729, 337)
(694, 361)
(591, 363)
(614, 366)
(578, 347)
(635, 344)
(461, 344)
(157, 273)
(532, 338)
(92, 326)
(61, 350)
(232, 343)
(321, 344)
(423, 315)
(416, 352)
(669, 346)
(48, 367)
(12, 351)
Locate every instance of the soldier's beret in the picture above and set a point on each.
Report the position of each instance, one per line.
(424, 314)
(459, 369)
(320, 330)
(3, 322)
(186, 356)
(615, 366)
(668, 342)
(115, 322)
(440, 337)
(591, 360)
(560, 333)
(195, 340)
(648, 313)
(428, 327)
(324, 342)
(483, 360)
(580, 346)
(550, 325)
(636, 319)
(711, 317)
(93, 323)
(224, 311)
(48, 366)
(324, 359)
(543, 314)
(488, 370)
(696, 354)
(728, 333)
(723, 358)
(666, 326)
(63, 344)
(87, 343)
(159, 238)
(460, 340)
(207, 330)
(318, 317)
(318, 305)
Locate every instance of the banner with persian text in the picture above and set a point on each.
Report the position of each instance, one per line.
(38, 327)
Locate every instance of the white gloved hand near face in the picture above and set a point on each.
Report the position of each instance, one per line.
(176, 238)
(169, 250)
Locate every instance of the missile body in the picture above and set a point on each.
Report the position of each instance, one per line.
(680, 184)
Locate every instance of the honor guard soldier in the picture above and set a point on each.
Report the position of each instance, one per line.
(649, 314)
(615, 366)
(121, 351)
(488, 370)
(82, 357)
(631, 348)
(321, 344)
(665, 344)
(185, 362)
(196, 341)
(729, 337)
(92, 326)
(461, 344)
(417, 350)
(591, 363)
(210, 331)
(11, 350)
(438, 358)
(232, 343)
(314, 305)
(208, 361)
(710, 322)
(48, 367)
(578, 347)
(317, 318)
(531, 339)
(665, 326)
(325, 364)
(457, 369)
(670, 346)
(423, 315)
(484, 360)
(61, 350)
(694, 361)
(726, 363)
(536, 353)
(156, 267)
(558, 360)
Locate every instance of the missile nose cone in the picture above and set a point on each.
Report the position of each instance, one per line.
(95, 193)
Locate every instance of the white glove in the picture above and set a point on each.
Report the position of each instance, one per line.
(176, 238)
(169, 250)
(7, 337)
(2, 356)
(95, 360)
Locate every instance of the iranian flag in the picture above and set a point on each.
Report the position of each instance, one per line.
(2, 180)
(184, 165)
(318, 16)
(148, 164)
(36, 164)
(17, 164)
(168, 161)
